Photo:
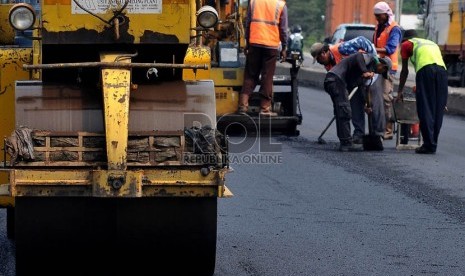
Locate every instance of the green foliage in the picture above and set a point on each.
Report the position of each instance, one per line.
(308, 14)
(410, 7)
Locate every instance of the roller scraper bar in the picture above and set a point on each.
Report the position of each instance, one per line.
(113, 65)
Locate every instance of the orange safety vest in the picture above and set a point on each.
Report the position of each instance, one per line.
(264, 22)
(334, 49)
(382, 40)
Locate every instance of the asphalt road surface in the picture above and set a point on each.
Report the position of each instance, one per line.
(323, 212)
(303, 208)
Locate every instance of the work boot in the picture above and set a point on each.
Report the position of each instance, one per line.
(268, 113)
(345, 147)
(265, 109)
(356, 139)
(425, 150)
(243, 104)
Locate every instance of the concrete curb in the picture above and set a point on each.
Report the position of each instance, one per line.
(456, 101)
(310, 77)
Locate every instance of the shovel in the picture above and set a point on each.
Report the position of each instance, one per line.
(371, 142)
(320, 138)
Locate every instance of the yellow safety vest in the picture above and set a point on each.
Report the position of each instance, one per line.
(264, 23)
(425, 52)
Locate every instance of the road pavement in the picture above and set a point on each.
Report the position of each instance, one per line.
(323, 212)
(315, 211)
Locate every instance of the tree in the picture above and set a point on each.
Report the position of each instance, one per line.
(410, 6)
(308, 14)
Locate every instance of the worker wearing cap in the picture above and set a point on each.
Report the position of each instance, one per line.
(266, 31)
(431, 86)
(351, 72)
(329, 56)
(387, 38)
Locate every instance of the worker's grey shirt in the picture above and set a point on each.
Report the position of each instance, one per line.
(350, 69)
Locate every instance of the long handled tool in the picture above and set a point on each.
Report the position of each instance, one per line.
(320, 138)
(371, 141)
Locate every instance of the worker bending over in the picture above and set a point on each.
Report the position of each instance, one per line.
(329, 56)
(350, 72)
(431, 86)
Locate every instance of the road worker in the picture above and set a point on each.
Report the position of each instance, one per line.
(329, 56)
(350, 72)
(266, 31)
(431, 86)
(387, 38)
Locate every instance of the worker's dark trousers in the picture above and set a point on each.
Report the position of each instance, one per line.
(431, 97)
(378, 117)
(336, 89)
(260, 61)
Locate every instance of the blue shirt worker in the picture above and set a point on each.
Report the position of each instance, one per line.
(330, 55)
(387, 39)
(431, 86)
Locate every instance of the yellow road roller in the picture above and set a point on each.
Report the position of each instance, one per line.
(112, 159)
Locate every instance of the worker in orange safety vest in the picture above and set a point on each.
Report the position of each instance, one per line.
(266, 32)
(387, 38)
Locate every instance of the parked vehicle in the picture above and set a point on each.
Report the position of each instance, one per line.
(346, 32)
(350, 12)
(443, 22)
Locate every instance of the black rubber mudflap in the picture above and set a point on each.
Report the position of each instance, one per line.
(91, 236)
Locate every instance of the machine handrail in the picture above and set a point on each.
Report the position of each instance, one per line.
(113, 65)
